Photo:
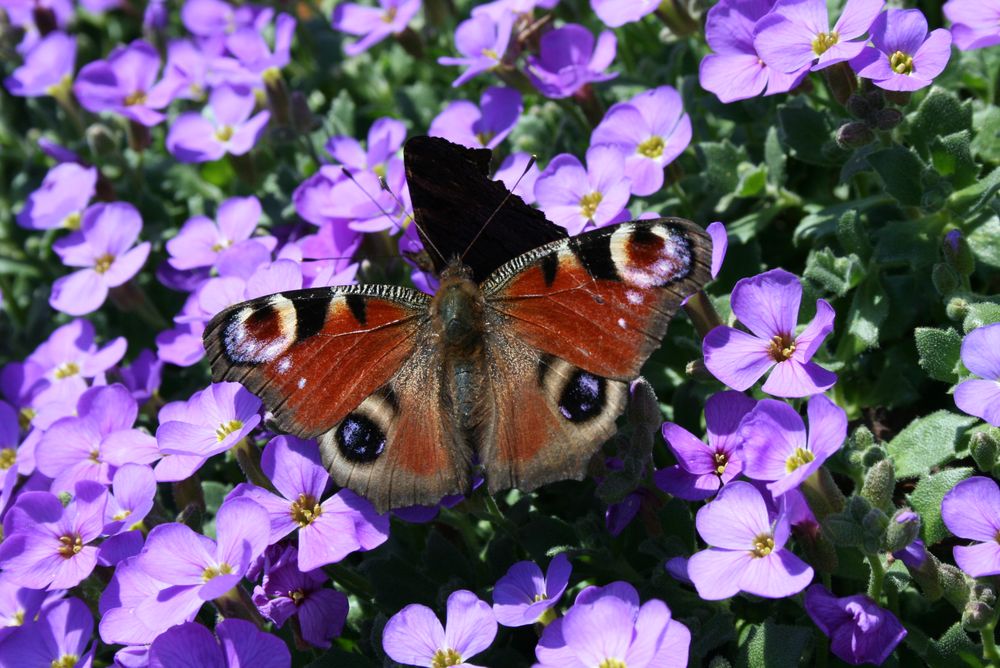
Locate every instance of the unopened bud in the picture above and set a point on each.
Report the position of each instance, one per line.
(928, 577)
(945, 279)
(976, 615)
(873, 456)
(303, 119)
(887, 119)
(719, 661)
(101, 141)
(819, 550)
(643, 407)
(957, 253)
(857, 508)
(858, 106)
(854, 135)
(983, 592)
(902, 530)
(874, 524)
(954, 585)
(880, 483)
(957, 308)
(862, 439)
(983, 448)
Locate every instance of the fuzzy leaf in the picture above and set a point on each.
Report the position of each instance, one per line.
(836, 274)
(773, 646)
(900, 170)
(927, 442)
(939, 352)
(941, 113)
(979, 314)
(952, 157)
(926, 500)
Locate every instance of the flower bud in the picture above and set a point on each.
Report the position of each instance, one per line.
(643, 407)
(874, 525)
(875, 98)
(862, 439)
(819, 550)
(983, 448)
(873, 456)
(719, 661)
(880, 482)
(957, 253)
(957, 308)
(983, 592)
(945, 279)
(887, 119)
(954, 585)
(101, 141)
(858, 106)
(854, 135)
(902, 530)
(928, 577)
(857, 508)
(976, 615)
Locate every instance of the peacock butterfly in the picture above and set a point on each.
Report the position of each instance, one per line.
(520, 362)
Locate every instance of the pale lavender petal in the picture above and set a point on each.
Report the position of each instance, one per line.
(771, 433)
(177, 555)
(777, 575)
(736, 358)
(733, 77)
(679, 482)
(716, 573)
(246, 646)
(692, 453)
(979, 560)
(981, 351)
(243, 529)
(857, 18)
(326, 540)
(899, 30)
(792, 378)
(127, 265)
(188, 645)
(79, 293)
(599, 630)
(980, 398)
(812, 337)
(413, 635)
(827, 426)
(720, 243)
(471, 625)
(768, 304)
(785, 44)
(735, 518)
(971, 509)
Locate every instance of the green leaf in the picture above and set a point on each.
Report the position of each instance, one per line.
(721, 161)
(953, 648)
(926, 500)
(852, 234)
(774, 157)
(976, 196)
(836, 274)
(928, 442)
(986, 141)
(983, 240)
(979, 314)
(808, 134)
(752, 180)
(774, 646)
(900, 170)
(940, 114)
(821, 223)
(939, 352)
(912, 244)
(868, 311)
(951, 155)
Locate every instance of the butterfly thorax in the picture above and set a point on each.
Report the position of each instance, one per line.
(457, 311)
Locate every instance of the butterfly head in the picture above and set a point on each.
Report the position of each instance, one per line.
(457, 308)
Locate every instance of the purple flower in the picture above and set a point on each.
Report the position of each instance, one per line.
(511, 169)
(768, 304)
(616, 13)
(524, 596)
(46, 544)
(129, 588)
(202, 241)
(981, 356)
(59, 637)
(903, 56)
(255, 61)
(327, 530)
(972, 510)
(132, 491)
(373, 24)
(124, 84)
(188, 68)
(142, 377)
(329, 197)
(912, 555)
(47, 68)
(578, 198)
(607, 627)
(181, 345)
(414, 636)
(747, 550)
(498, 8)
(775, 445)
(286, 591)
(70, 352)
(720, 243)
(243, 645)
(211, 18)
(60, 200)
(702, 469)
(193, 137)
(652, 130)
(569, 58)
(484, 126)
(385, 138)
(975, 23)
(859, 630)
(735, 71)
(217, 418)
(97, 439)
(17, 604)
(797, 33)
(482, 42)
(104, 248)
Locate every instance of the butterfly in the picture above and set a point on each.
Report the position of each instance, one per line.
(520, 362)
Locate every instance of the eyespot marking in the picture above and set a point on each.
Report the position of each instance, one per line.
(359, 439)
(256, 335)
(648, 257)
(584, 397)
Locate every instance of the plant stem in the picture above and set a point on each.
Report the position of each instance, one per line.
(990, 652)
(878, 574)
(248, 457)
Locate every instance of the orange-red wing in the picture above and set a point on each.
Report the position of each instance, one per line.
(602, 300)
(314, 355)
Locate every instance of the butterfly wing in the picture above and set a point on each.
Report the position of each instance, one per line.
(453, 198)
(578, 319)
(351, 366)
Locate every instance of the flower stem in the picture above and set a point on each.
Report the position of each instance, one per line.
(990, 652)
(236, 603)
(248, 457)
(349, 580)
(703, 315)
(877, 576)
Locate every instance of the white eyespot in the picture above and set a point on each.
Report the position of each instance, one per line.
(284, 364)
(633, 297)
(643, 264)
(622, 324)
(241, 343)
(302, 383)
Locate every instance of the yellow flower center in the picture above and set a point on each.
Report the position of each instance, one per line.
(227, 428)
(589, 204)
(612, 663)
(95, 456)
(490, 53)
(72, 221)
(8, 456)
(485, 137)
(297, 596)
(901, 63)
(104, 263)
(65, 661)
(213, 571)
(305, 509)
(18, 618)
(824, 41)
(221, 245)
(225, 133)
(782, 347)
(121, 514)
(138, 97)
(652, 147)
(271, 76)
(721, 461)
(60, 89)
(445, 657)
(800, 457)
(25, 416)
(763, 545)
(69, 545)
(67, 369)
(389, 17)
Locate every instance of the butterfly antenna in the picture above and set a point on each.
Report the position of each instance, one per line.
(374, 201)
(385, 186)
(510, 192)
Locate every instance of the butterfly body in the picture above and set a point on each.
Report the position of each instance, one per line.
(521, 371)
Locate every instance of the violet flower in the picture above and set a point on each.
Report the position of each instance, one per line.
(735, 71)
(651, 130)
(217, 418)
(981, 356)
(61, 199)
(512, 169)
(125, 83)
(242, 645)
(202, 241)
(188, 68)
(914, 554)
(385, 138)
(9, 440)
(975, 23)
(17, 604)
(577, 198)
(498, 8)
(747, 550)
(482, 42)
(46, 544)
(194, 137)
(373, 24)
(616, 13)
(768, 304)
(327, 530)
(133, 489)
(255, 61)
(859, 630)
(607, 627)
(329, 197)
(142, 377)
(212, 18)
(59, 637)
(569, 58)
(47, 68)
(797, 33)
(285, 591)
(904, 57)
(104, 249)
(130, 587)
(414, 635)
(703, 468)
(70, 352)
(776, 447)
(484, 126)
(972, 510)
(524, 596)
